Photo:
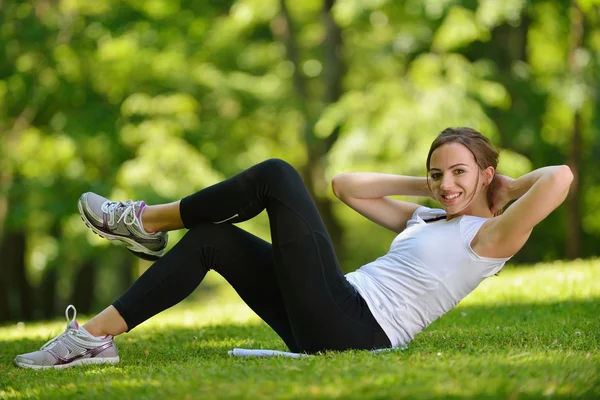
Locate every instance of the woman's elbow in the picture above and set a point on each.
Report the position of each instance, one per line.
(336, 185)
(562, 178)
(564, 174)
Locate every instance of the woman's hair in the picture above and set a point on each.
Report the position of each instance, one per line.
(485, 154)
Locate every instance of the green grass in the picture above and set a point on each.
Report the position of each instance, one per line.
(527, 333)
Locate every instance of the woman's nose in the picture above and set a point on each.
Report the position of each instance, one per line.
(447, 182)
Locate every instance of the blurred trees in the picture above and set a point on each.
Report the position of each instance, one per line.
(157, 99)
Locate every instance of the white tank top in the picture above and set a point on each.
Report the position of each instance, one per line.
(429, 268)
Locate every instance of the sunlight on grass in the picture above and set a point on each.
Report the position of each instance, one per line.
(209, 313)
(36, 330)
(544, 283)
(133, 383)
(212, 312)
(10, 393)
(223, 306)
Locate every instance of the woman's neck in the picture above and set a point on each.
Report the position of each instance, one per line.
(480, 209)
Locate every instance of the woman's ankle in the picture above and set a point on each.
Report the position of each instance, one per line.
(93, 330)
(161, 218)
(147, 221)
(108, 322)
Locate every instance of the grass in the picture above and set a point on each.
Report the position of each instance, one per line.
(528, 333)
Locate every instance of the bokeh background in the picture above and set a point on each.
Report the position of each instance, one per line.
(155, 99)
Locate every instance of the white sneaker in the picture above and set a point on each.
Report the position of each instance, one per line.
(73, 347)
(121, 220)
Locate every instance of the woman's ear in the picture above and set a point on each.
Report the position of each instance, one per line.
(490, 172)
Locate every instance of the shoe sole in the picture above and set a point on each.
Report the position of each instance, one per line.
(81, 361)
(131, 244)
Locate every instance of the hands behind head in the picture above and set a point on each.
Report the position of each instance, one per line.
(498, 193)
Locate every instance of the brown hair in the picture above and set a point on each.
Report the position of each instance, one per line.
(483, 151)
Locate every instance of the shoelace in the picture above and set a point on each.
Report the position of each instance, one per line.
(69, 331)
(128, 215)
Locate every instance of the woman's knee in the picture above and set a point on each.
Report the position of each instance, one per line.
(279, 165)
(279, 169)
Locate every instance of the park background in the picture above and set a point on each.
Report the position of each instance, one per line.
(157, 99)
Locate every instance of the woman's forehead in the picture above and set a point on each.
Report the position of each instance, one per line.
(450, 154)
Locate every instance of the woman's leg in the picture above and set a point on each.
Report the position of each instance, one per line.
(107, 322)
(324, 310)
(307, 287)
(243, 259)
(162, 217)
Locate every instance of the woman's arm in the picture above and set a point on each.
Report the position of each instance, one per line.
(539, 193)
(366, 193)
(371, 185)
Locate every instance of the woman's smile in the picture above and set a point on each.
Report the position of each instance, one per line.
(451, 198)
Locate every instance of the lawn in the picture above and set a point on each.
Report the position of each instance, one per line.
(531, 332)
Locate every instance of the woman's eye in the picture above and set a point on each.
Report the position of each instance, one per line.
(436, 176)
(458, 171)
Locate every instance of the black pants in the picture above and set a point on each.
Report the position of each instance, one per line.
(294, 284)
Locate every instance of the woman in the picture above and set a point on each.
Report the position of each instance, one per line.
(295, 284)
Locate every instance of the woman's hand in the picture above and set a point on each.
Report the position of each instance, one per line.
(498, 193)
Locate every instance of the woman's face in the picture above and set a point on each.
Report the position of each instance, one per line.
(454, 177)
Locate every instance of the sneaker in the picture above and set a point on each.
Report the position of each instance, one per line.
(74, 346)
(121, 221)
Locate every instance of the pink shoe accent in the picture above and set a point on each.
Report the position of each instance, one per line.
(139, 217)
(76, 324)
(142, 206)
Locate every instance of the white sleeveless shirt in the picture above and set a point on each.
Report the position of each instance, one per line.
(429, 268)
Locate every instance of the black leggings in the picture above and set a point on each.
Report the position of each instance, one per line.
(295, 285)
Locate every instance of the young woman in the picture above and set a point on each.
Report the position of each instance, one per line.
(295, 284)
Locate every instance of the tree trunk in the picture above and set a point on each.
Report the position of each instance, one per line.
(509, 44)
(573, 244)
(17, 302)
(313, 172)
(126, 268)
(325, 208)
(4, 285)
(5, 282)
(18, 247)
(4, 270)
(19, 291)
(83, 287)
(47, 292)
